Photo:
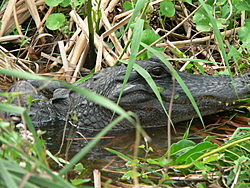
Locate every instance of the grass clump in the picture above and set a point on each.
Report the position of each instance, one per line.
(199, 164)
(69, 38)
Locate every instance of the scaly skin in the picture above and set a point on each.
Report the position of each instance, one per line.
(212, 94)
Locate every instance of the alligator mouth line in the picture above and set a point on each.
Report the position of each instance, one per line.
(132, 90)
(226, 103)
(148, 96)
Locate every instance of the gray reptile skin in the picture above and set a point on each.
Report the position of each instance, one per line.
(211, 93)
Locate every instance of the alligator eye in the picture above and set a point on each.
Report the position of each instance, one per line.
(157, 71)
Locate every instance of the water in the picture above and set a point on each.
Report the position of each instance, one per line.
(123, 141)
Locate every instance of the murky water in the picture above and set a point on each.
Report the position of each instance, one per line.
(122, 141)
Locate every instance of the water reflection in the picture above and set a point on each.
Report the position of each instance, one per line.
(122, 141)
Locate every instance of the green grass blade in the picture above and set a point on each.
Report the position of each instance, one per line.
(136, 38)
(192, 60)
(218, 37)
(63, 183)
(138, 7)
(35, 181)
(91, 144)
(88, 94)
(7, 177)
(216, 31)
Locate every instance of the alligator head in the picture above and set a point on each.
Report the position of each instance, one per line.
(212, 94)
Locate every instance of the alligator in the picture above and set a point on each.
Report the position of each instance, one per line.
(212, 94)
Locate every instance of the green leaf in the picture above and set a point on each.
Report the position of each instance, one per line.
(160, 89)
(193, 157)
(56, 159)
(220, 2)
(179, 53)
(163, 162)
(130, 175)
(55, 21)
(78, 2)
(182, 145)
(201, 20)
(239, 163)
(14, 171)
(133, 162)
(225, 11)
(167, 8)
(4, 125)
(208, 139)
(212, 158)
(198, 148)
(244, 34)
(221, 23)
(141, 146)
(234, 53)
(201, 185)
(199, 165)
(152, 161)
(242, 5)
(148, 37)
(224, 72)
(53, 3)
(150, 149)
(138, 8)
(65, 3)
(127, 5)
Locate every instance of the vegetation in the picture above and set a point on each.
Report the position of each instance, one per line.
(201, 37)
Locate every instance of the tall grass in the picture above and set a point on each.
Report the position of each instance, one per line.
(12, 175)
(8, 175)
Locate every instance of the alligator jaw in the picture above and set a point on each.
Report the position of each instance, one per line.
(212, 94)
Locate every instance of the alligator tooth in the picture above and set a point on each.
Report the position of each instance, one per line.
(227, 104)
(233, 102)
(220, 102)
